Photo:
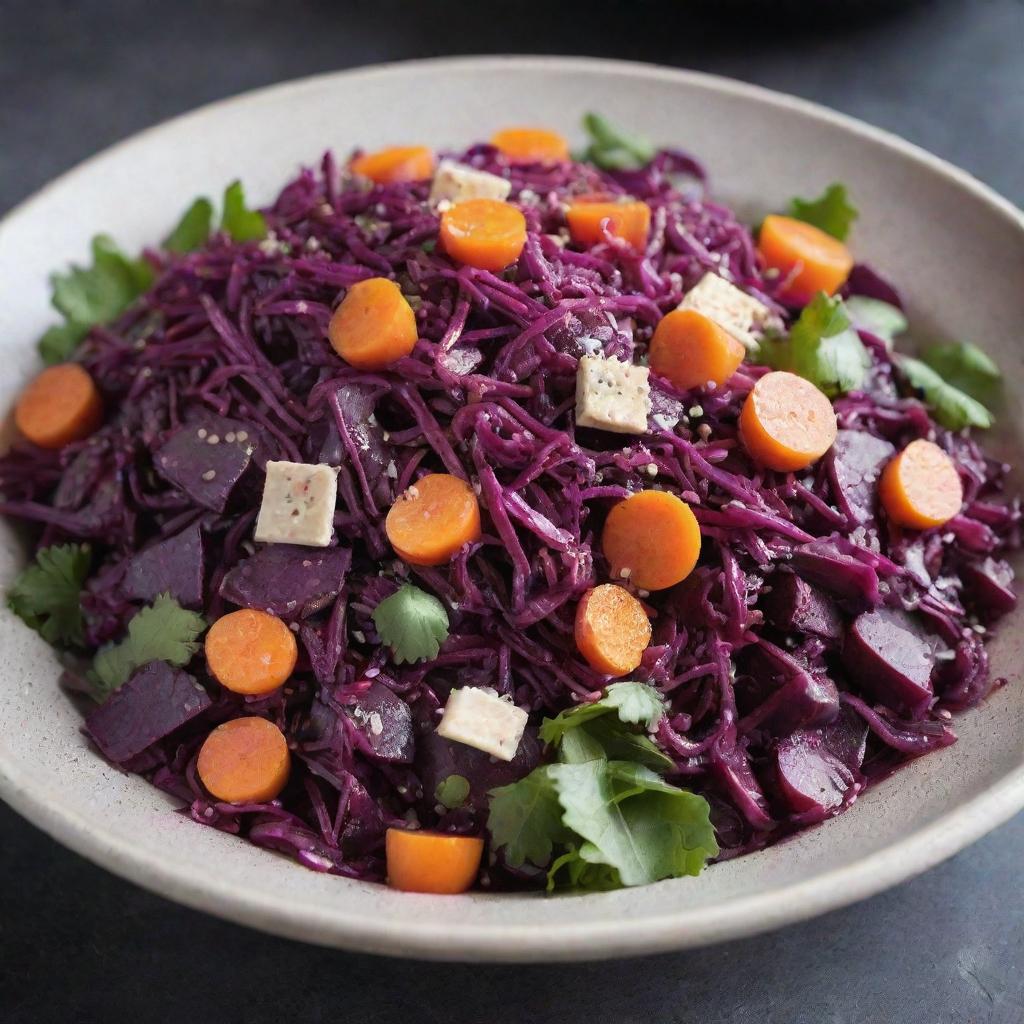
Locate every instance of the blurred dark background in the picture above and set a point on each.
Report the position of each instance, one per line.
(78, 946)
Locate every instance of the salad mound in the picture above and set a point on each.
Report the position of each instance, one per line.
(508, 519)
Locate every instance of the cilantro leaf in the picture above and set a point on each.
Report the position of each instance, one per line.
(965, 366)
(880, 318)
(163, 631)
(46, 594)
(59, 342)
(953, 408)
(832, 211)
(613, 150)
(821, 347)
(412, 623)
(525, 818)
(192, 231)
(633, 703)
(452, 791)
(578, 874)
(241, 223)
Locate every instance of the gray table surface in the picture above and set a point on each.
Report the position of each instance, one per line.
(79, 945)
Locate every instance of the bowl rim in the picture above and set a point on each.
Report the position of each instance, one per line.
(421, 936)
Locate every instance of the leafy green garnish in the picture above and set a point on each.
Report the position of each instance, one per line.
(452, 791)
(876, 316)
(613, 150)
(953, 408)
(832, 211)
(241, 223)
(412, 623)
(821, 347)
(526, 818)
(46, 595)
(164, 631)
(965, 366)
(193, 229)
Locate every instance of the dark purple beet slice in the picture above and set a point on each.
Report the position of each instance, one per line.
(383, 721)
(173, 566)
(989, 585)
(855, 462)
(824, 565)
(795, 606)
(812, 782)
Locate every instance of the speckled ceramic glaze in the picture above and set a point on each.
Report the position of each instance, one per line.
(955, 249)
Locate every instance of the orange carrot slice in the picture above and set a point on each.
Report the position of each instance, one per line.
(397, 163)
(374, 325)
(786, 423)
(921, 488)
(244, 761)
(589, 216)
(612, 629)
(531, 145)
(433, 519)
(692, 351)
(250, 651)
(60, 406)
(652, 539)
(431, 861)
(485, 233)
(811, 260)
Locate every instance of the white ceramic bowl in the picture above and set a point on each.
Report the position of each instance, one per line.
(955, 248)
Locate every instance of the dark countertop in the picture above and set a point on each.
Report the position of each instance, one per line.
(78, 945)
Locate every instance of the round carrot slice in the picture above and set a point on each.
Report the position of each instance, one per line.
(374, 325)
(250, 651)
(431, 861)
(485, 233)
(244, 761)
(612, 629)
(811, 260)
(652, 538)
(61, 405)
(531, 145)
(786, 423)
(433, 519)
(921, 488)
(394, 164)
(588, 216)
(692, 351)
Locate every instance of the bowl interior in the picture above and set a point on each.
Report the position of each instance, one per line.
(948, 243)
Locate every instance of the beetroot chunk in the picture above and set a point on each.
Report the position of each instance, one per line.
(173, 566)
(823, 564)
(383, 721)
(812, 782)
(795, 606)
(797, 698)
(855, 463)
(989, 585)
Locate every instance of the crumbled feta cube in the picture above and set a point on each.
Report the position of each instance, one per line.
(455, 182)
(734, 311)
(478, 717)
(612, 396)
(298, 504)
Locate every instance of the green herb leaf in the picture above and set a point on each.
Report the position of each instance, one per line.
(633, 704)
(953, 408)
(612, 149)
(876, 316)
(192, 231)
(59, 342)
(821, 347)
(452, 791)
(412, 623)
(571, 871)
(832, 211)
(164, 631)
(965, 366)
(241, 223)
(46, 595)
(525, 818)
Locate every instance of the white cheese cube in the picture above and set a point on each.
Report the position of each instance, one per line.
(736, 312)
(454, 183)
(612, 396)
(298, 505)
(478, 717)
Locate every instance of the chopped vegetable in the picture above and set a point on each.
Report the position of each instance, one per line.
(46, 595)
(786, 422)
(241, 223)
(374, 325)
(162, 632)
(952, 407)
(452, 791)
(832, 211)
(484, 233)
(61, 405)
(612, 629)
(250, 652)
(921, 487)
(807, 259)
(421, 861)
(412, 623)
(395, 164)
(590, 217)
(192, 231)
(433, 519)
(244, 761)
(651, 539)
(612, 149)
(530, 145)
(692, 351)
